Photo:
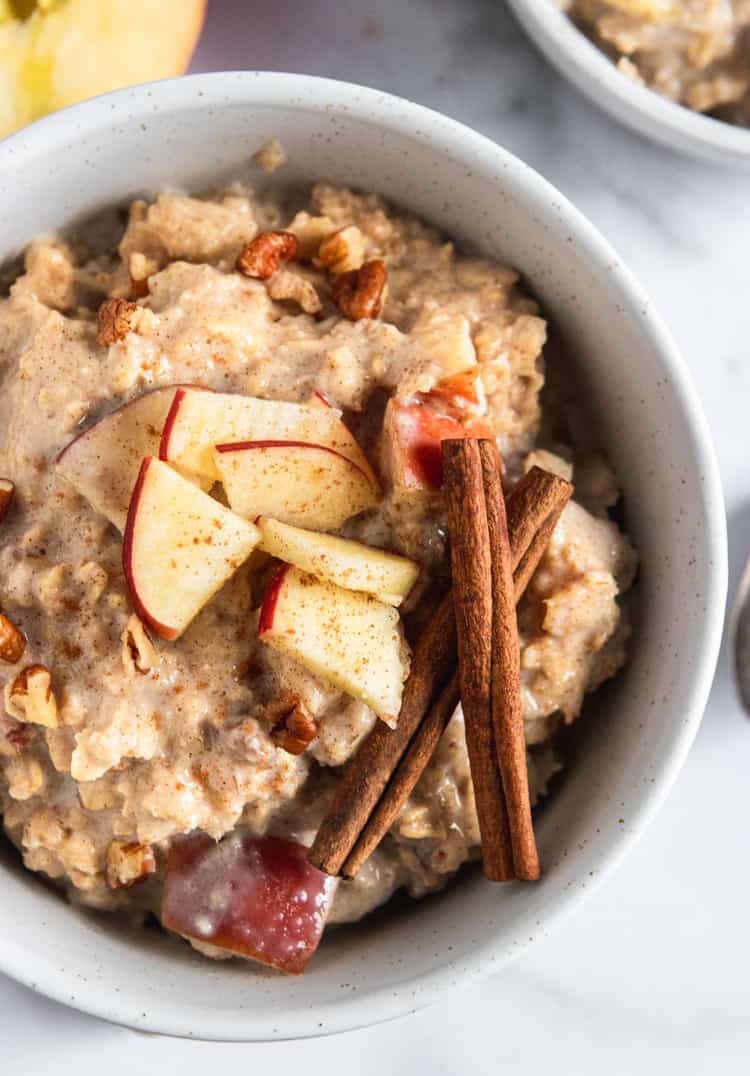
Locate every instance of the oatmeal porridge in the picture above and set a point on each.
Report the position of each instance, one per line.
(222, 534)
(695, 52)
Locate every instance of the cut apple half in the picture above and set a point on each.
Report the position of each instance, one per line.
(196, 422)
(295, 482)
(180, 546)
(257, 897)
(352, 640)
(102, 463)
(351, 565)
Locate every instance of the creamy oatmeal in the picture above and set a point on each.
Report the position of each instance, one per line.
(147, 695)
(695, 52)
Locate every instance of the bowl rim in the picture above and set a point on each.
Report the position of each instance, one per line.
(421, 125)
(641, 109)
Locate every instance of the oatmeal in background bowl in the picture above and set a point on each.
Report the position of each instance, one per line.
(693, 52)
(224, 535)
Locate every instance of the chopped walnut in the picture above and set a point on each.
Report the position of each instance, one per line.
(31, 697)
(140, 268)
(343, 251)
(261, 257)
(292, 727)
(116, 319)
(138, 652)
(359, 293)
(310, 232)
(292, 286)
(129, 862)
(12, 642)
(7, 492)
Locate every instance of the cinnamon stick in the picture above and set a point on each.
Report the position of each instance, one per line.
(367, 774)
(521, 503)
(471, 569)
(506, 706)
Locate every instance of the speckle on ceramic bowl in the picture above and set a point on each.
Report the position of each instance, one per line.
(638, 107)
(192, 132)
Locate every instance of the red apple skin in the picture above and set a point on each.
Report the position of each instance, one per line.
(6, 498)
(164, 631)
(257, 897)
(268, 609)
(240, 446)
(169, 422)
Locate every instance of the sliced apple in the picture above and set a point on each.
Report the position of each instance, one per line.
(350, 639)
(197, 422)
(102, 463)
(306, 484)
(180, 546)
(413, 431)
(351, 565)
(257, 897)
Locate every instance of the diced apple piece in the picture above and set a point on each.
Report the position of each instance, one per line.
(180, 546)
(351, 565)
(197, 422)
(350, 639)
(446, 339)
(306, 484)
(257, 897)
(412, 434)
(102, 463)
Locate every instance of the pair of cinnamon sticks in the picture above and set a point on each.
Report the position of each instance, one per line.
(468, 651)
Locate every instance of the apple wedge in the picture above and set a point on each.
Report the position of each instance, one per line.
(350, 639)
(351, 565)
(301, 483)
(197, 422)
(257, 897)
(180, 546)
(102, 463)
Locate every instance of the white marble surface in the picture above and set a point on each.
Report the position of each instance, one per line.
(654, 971)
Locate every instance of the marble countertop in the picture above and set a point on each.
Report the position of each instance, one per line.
(653, 971)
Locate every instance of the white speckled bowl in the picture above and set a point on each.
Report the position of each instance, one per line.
(641, 109)
(189, 132)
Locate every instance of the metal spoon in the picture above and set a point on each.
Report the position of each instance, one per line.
(741, 636)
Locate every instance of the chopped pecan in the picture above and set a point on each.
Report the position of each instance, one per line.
(12, 642)
(359, 293)
(31, 697)
(138, 652)
(262, 256)
(116, 319)
(129, 862)
(293, 729)
(343, 251)
(296, 289)
(7, 492)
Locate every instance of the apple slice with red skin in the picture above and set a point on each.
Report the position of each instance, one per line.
(296, 482)
(196, 423)
(103, 461)
(7, 494)
(180, 546)
(257, 897)
(348, 564)
(350, 639)
(414, 429)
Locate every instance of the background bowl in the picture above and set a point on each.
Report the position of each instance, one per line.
(641, 109)
(192, 132)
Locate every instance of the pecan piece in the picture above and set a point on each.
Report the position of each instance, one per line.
(12, 642)
(31, 697)
(138, 652)
(295, 288)
(129, 862)
(359, 293)
(293, 729)
(116, 319)
(7, 492)
(262, 256)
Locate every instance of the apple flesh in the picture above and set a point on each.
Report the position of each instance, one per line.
(197, 422)
(352, 640)
(351, 565)
(257, 897)
(103, 462)
(300, 483)
(180, 546)
(413, 430)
